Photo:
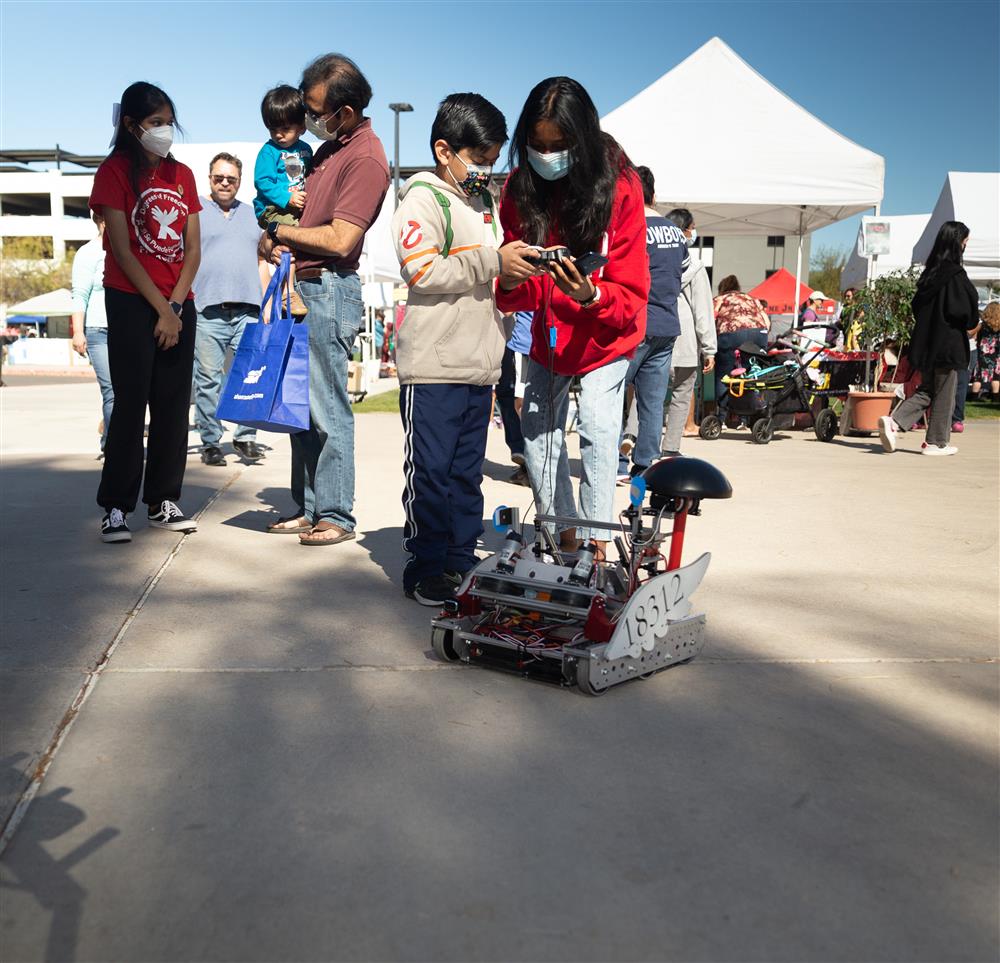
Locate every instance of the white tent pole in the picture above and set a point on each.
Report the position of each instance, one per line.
(872, 258)
(798, 273)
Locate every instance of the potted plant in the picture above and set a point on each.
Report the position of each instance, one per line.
(886, 321)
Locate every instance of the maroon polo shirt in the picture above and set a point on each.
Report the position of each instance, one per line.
(349, 178)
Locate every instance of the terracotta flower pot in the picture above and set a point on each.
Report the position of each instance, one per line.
(867, 407)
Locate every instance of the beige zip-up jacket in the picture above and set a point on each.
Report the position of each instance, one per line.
(451, 330)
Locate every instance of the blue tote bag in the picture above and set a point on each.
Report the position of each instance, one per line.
(268, 384)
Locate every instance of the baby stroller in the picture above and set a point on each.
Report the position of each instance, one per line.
(773, 381)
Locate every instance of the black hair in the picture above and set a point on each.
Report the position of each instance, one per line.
(579, 203)
(729, 283)
(947, 246)
(282, 107)
(468, 120)
(681, 217)
(139, 100)
(648, 184)
(346, 86)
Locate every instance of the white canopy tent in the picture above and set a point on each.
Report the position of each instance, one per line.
(904, 230)
(52, 304)
(974, 199)
(770, 167)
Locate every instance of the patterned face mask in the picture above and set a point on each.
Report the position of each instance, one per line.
(476, 180)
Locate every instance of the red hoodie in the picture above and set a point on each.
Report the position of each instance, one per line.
(587, 338)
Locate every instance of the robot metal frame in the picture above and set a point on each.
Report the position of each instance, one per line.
(574, 620)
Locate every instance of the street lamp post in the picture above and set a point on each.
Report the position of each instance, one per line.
(397, 109)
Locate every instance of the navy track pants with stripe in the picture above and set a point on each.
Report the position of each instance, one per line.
(444, 444)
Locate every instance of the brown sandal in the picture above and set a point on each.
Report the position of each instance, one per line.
(283, 527)
(316, 535)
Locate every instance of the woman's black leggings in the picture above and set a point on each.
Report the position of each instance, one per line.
(141, 375)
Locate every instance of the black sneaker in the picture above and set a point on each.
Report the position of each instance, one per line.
(248, 450)
(212, 455)
(433, 591)
(114, 528)
(170, 517)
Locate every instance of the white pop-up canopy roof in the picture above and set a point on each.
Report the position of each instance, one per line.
(52, 304)
(973, 199)
(741, 155)
(904, 231)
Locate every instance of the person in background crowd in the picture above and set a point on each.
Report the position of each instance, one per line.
(510, 392)
(988, 353)
(695, 349)
(90, 320)
(150, 205)
(346, 187)
(379, 332)
(449, 350)
(279, 173)
(572, 185)
(738, 318)
(227, 297)
(963, 379)
(945, 309)
(649, 369)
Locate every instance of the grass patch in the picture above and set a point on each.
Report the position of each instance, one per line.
(981, 410)
(383, 404)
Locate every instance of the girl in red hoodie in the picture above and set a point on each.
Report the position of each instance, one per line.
(573, 186)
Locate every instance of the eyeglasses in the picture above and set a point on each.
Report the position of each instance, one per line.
(224, 179)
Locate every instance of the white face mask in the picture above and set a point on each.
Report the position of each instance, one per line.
(317, 126)
(157, 140)
(693, 239)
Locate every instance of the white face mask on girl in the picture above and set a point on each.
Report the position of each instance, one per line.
(157, 140)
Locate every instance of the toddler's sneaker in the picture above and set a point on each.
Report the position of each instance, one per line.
(887, 432)
(938, 449)
(170, 517)
(958, 427)
(114, 528)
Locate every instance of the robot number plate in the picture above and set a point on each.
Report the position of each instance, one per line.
(653, 606)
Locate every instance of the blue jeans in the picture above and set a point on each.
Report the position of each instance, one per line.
(218, 330)
(97, 349)
(506, 388)
(649, 371)
(962, 388)
(323, 454)
(544, 427)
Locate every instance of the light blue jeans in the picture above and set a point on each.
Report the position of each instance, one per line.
(97, 350)
(649, 371)
(323, 454)
(543, 421)
(218, 330)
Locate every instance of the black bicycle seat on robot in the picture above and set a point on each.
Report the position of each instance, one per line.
(681, 477)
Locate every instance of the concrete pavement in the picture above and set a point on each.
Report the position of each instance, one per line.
(272, 766)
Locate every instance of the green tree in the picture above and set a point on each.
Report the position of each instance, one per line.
(825, 266)
(26, 272)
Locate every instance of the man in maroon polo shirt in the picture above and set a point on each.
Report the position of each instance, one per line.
(344, 193)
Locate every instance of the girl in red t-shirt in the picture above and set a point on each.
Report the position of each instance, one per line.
(572, 185)
(150, 206)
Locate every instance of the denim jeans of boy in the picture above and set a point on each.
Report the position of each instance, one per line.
(543, 421)
(219, 329)
(97, 350)
(649, 372)
(323, 454)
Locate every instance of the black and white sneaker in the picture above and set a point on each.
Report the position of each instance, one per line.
(433, 591)
(114, 528)
(170, 517)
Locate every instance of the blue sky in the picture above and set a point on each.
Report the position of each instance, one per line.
(919, 83)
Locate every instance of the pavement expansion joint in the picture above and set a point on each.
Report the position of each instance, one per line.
(92, 678)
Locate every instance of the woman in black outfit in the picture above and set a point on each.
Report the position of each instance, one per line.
(945, 309)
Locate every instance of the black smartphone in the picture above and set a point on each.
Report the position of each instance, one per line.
(590, 262)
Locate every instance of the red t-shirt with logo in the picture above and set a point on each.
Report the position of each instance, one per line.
(156, 218)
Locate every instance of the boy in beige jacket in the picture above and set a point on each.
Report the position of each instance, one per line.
(450, 343)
